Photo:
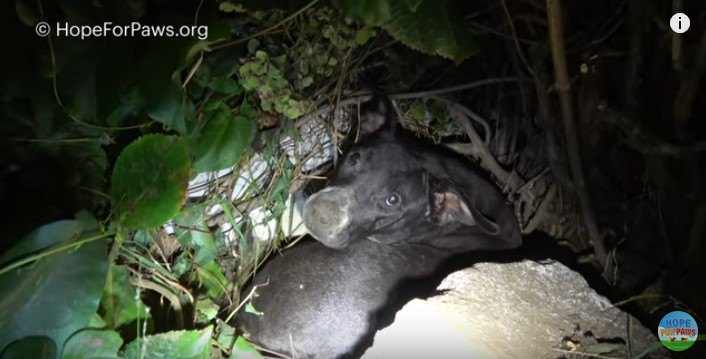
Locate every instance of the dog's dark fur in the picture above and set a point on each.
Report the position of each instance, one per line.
(393, 211)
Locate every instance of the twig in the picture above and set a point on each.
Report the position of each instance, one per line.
(246, 299)
(365, 96)
(427, 93)
(517, 40)
(501, 34)
(556, 38)
(481, 151)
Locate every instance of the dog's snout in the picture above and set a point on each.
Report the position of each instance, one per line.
(325, 216)
(326, 213)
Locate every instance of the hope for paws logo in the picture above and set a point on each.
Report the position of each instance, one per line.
(678, 331)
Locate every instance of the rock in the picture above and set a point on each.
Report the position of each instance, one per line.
(517, 310)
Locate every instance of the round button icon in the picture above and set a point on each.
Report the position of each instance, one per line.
(678, 330)
(679, 23)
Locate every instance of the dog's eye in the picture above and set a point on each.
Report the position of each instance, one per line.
(353, 158)
(393, 200)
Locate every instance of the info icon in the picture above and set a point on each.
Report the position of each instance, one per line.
(679, 23)
(677, 331)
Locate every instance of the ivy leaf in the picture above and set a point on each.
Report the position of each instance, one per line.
(222, 140)
(185, 344)
(57, 295)
(149, 181)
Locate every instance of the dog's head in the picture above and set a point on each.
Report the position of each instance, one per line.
(391, 187)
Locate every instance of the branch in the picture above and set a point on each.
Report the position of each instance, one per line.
(556, 38)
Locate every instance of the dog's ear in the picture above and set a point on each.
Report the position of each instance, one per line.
(449, 206)
(378, 115)
(475, 212)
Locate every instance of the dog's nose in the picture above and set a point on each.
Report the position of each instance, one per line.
(326, 214)
(325, 217)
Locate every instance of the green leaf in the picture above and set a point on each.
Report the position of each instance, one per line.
(199, 238)
(96, 322)
(306, 81)
(435, 28)
(222, 140)
(363, 35)
(251, 83)
(206, 310)
(119, 302)
(253, 45)
(191, 344)
(227, 7)
(158, 82)
(261, 55)
(93, 343)
(225, 85)
(373, 12)
(439, 110)
(57, 295)
(243, 350)
(212, 278)
(226, 334)
(418, 110)
(149, 181)
(249, 308)
(429, 26)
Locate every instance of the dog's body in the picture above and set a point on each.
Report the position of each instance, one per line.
(394, 210)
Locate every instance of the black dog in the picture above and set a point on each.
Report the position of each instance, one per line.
(394, 210)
